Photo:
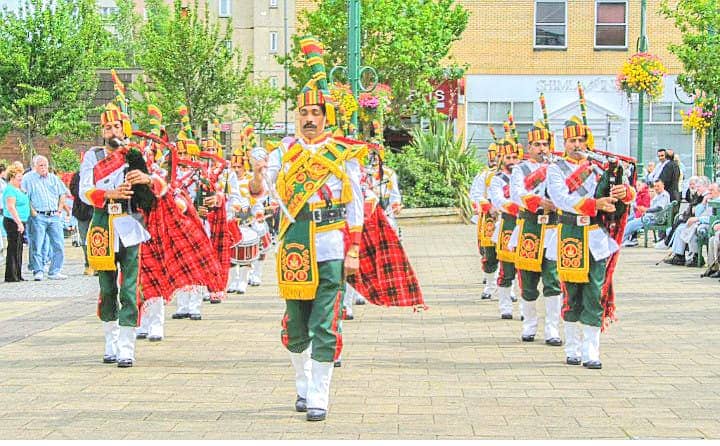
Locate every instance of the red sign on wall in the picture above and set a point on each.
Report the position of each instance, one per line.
(446, 98)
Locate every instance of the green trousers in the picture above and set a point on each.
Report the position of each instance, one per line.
(127, 316)
(507, 274)
(584, 298)
(529, 281)
(318, 320)
(489, 260)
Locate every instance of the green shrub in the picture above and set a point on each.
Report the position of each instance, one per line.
(421, 183)
(64, 159)
(437, 168)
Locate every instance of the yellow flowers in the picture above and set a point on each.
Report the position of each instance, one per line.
(346, 103)
(642, 72)
(700, 117)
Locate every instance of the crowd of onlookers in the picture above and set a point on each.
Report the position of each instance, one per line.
(38, 209)
(696, 223)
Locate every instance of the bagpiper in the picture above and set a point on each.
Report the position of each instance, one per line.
(486, 220)
(585, 196)
(119, 197)
(536, 246)
(509, 153)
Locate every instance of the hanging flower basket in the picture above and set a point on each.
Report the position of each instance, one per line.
(346, 103)
(700, 117)
(373, 107)
(642, 73)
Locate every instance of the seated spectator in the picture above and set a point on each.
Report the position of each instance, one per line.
(660, 201)
(686, 234)
(714, 253)
(694, 196)
(642, 200)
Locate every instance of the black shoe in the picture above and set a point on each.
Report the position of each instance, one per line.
(337, 363)
(181, 315)
(595, 365)
(141, 335)
(485, 296)
(300, 404)
(215, 301)
(573, 361)
(677, 259)
(513, 298)
(715, 275)
(484, 281)
(693, 261)
(206, 299)
(109, 359)
(348, 317)
(555, 342)
(522, 318)
(195, 317)
(528, 338)
(154, 338)
(506, 316)
(125, 363)
(360, 301)
(316, 414)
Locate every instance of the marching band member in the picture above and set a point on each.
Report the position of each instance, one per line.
(486, 220)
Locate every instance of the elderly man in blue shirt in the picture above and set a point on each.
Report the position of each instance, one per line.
(47, 197)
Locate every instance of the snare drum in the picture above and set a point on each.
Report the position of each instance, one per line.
(264, 235)
(246, 250)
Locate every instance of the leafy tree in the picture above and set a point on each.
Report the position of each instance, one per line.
(259, 103)
(187, 61)
(49, 50)
(406, 41)
(125, 23)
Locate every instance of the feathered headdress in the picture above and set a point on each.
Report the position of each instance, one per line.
(316, 91)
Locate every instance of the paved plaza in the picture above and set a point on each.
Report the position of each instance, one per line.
(454, 371)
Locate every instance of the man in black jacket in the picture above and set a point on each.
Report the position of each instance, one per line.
(83, 213)
(669, 173)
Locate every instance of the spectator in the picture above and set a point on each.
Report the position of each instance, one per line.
(3, 183)
(714, 253)
(660, 201)
(47, 197)
(642, 200)
(16, 211)
(686, 234)
(649, 169)
(694, 196)
(83, 213)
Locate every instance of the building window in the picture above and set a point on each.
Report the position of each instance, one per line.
(229, 45)
(274, 81)
(108, 11)
(482, 115)
(610, 24)
(274, 3)
(273, 41)
(550, 23)
(224, 8)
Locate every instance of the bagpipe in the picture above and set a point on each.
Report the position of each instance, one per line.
(614, 173)
(143, 197)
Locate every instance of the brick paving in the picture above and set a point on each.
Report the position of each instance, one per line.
(455, 371)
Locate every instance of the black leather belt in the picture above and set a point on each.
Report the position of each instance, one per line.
(323, 215)
(532, 217)
(47, 213)
(568, 218)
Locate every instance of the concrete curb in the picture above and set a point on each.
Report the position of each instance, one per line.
(421, 216)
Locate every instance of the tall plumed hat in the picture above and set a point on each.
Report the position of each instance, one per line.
(185, 137)
(116, 110)
(575, 127)
(540, 131)
(213, 142)
(316, 91)
(241, 153)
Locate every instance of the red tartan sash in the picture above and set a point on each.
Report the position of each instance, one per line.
(109, 164)
(576, 179)
(536, 178)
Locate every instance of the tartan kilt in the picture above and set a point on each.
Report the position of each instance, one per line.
(386, 277)
(179, 254)
(222, 240)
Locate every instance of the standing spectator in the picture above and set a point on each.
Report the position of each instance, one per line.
(648, 172)
(47, 197)
(16, 211)
(83, 213)
(2, 189)
(671, 176)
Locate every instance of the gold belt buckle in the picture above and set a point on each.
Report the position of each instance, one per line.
(583, 220)
(543, 219)
(114, 208)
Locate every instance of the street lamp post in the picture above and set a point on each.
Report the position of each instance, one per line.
(642, 47)
(354, 69)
